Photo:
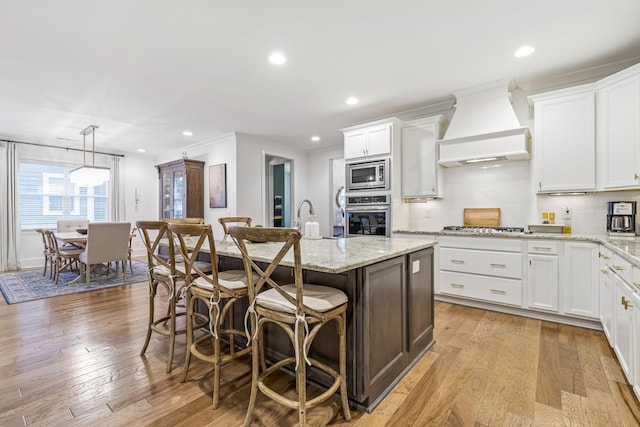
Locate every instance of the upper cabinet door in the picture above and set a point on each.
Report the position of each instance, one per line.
(619, 131)
(379, 140)
(565, 140)
(421, 174)
(368, 141)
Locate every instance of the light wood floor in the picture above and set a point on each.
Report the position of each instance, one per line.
(74, 360)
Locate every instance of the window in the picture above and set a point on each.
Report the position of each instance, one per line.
(47, 195)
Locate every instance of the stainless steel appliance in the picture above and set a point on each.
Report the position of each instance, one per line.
(621, 219)
(371, 175)
(368, 214)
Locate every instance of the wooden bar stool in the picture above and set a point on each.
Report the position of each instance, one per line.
(218, 291)
(166, 271)
(225, 221)
(301, 310)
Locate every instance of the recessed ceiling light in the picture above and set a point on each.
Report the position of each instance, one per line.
(315, 138)
(141, 150)
(187, 133)
(352, 100)
(524, 51)
(277, 59)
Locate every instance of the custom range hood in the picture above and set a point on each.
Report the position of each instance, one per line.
(484, 128)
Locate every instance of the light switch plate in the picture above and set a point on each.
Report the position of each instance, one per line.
(415, 267)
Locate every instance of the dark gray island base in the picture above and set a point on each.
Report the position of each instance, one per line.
(389, 282)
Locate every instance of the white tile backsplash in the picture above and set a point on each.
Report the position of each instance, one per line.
(511, 188)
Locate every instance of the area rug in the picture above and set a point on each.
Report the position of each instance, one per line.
(30, 285)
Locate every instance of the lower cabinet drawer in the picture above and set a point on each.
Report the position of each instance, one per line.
(492, 263)
(494, 289)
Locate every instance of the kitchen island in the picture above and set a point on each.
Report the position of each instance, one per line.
(389, 283)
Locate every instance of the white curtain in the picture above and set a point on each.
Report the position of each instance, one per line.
(9, 208)
(116, 190)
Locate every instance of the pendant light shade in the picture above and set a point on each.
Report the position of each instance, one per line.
(89, 175)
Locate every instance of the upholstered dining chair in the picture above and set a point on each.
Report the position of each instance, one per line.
(107, 242)
(300, 310)
(62, 259)
(237, 220)
(218, 291)
(164, 270)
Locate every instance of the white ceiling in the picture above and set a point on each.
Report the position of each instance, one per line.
(146, 70)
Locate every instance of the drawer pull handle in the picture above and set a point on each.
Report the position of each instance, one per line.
(498, 265)
(618, 268)
(542, 248)
(498, 291)
(605, 271)
(626, 303)
(457, 261)
(456, 285)
(637, 284)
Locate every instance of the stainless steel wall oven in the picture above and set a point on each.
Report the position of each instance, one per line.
(368, 215)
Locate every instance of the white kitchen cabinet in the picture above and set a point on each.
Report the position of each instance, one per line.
(543, 275)
(370, 140)
(481, 269)
(607, 292)
(624, 326)
(580, 286)
(565, 139)
(619, 129)
(421, 174)
(636, 344)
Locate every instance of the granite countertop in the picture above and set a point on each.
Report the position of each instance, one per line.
(628, 247)
(332, 255)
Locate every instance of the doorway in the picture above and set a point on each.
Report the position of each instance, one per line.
(278, 190)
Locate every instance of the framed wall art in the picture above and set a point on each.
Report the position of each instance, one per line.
(218, 186)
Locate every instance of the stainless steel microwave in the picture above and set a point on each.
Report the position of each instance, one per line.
(372, 175)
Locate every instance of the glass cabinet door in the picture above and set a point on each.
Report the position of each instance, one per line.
(166, 194)
(178, 194)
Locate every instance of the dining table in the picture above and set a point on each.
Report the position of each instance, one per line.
(72, 238)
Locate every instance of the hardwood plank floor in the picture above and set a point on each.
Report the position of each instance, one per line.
(74, 361)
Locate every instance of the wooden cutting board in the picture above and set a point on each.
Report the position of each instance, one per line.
(482, 217)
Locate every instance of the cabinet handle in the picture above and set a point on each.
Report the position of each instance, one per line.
(498, 265)
(618, 268)
(542, 248)
(498, 291)
(456, 285)
(540, 185)
(626, 303)
(637, 285)
(636, 176)
(605, 271)
(457, 261)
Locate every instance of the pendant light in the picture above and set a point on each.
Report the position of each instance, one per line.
(89, 175)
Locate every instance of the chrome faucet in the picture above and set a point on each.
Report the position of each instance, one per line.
(298, 224)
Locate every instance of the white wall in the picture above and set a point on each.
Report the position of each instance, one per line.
(321, 187)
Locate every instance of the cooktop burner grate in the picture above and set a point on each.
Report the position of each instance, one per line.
(472, 229)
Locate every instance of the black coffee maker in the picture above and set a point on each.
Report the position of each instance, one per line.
(621, 219)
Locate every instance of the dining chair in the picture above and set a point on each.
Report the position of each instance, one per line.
(132, 235)
(300, 309)
(47, 252)
(62, 259)
(164, 270)
(107, 242)
(226, 221)
(218, 291)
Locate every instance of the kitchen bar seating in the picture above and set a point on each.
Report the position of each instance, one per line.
(218, 291)
(225, 221)
(165, 271)
(300, 310)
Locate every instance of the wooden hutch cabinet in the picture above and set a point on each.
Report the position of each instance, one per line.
(181, 189)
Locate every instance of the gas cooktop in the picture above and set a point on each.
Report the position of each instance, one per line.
(473, 229)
